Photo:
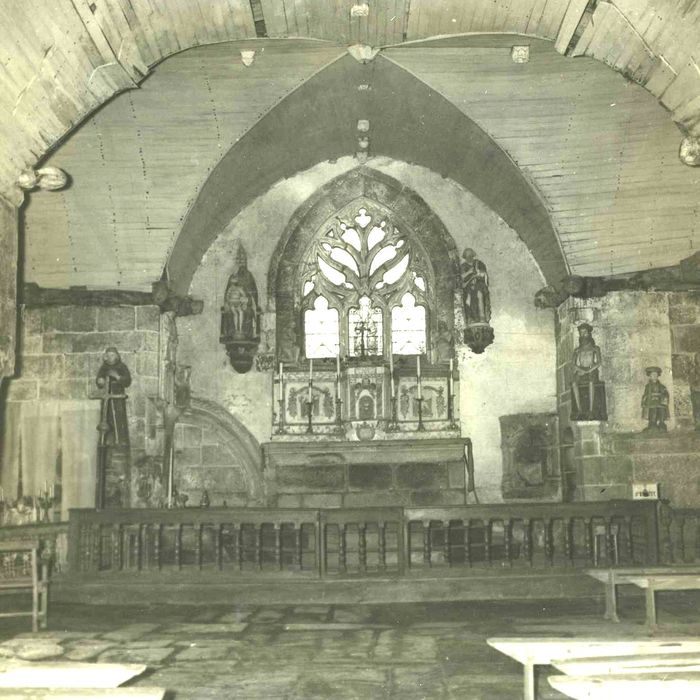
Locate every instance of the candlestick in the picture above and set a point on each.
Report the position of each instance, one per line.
(451, 378)
(311, 378)
(391, 373)
(337, 366)
(281, 382)
(418, 378)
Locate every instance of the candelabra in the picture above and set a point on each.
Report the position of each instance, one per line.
(310, 409)
(420, 413)
(392, 425)
(339, 427)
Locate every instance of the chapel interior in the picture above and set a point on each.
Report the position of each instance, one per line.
(345, 345)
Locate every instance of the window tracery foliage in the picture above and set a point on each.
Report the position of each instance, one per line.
(364, 288)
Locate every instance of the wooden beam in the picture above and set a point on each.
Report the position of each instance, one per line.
(572, 18)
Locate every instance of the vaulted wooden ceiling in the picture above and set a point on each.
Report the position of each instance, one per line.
(62, 60)
(601, 152)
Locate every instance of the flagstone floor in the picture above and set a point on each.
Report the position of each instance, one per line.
(318, 651)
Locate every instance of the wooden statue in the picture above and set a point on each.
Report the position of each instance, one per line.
(240, 315)
(475, 289)
(113, 378)
(476, 302)
(655, 402)
(585, 363)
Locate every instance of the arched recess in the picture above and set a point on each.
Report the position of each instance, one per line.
(408, 212)
(409, 121)
(235, 437)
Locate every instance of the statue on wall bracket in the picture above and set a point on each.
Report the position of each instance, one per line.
(587, 391)
(655, 402)
(476, 302)
(240, 315)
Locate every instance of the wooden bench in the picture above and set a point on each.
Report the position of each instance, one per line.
(72, 680)
(618, 665)
(68, 674)
(82, 693)
(650, 579)
(642, 687)
(21, 569)
(538, 651)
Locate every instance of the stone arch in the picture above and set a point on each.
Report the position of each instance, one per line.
(234, 438)
(429, 131)
(409, 212)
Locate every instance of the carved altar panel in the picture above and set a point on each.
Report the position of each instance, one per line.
(363, 401)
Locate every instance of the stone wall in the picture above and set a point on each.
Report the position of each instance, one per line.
(356, 475)
(634, 330)
(684, 315)
(514, 375)
(60, 351)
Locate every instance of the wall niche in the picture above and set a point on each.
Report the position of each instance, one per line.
(529, 444)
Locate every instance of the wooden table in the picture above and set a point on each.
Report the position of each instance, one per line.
(649, 579)
(643, 687)
(537, 651)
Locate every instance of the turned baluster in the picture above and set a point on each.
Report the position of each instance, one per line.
(198, 544)
(488, 535)
(467, 543)
(362, 545)
(220, 547)
(96, 548)
(527, 541)
(238, 536)
(137, 547)
(156, 545)
(258, 546)
(548, 541)
(381, 544)
(298, 548)
(178, 546)
(278, 544)
(117, 547)
(342, 554)
(630, 539)
(507, 536)
(587, 538)
(569, 540)
(446, 543)
(427, 544)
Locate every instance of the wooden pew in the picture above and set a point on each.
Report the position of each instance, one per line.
(651, 579)
(640, 687)
(36, 580)
(537, 651)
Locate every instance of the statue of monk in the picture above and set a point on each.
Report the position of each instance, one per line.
(114, 377)
(585, 363)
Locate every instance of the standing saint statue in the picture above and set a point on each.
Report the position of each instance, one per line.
(655, 401)
(475, 288)
(113, 378)
(585, 363)
(240, 311)
(240, 315)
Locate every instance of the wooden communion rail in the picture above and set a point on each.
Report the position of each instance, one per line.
(365, 542)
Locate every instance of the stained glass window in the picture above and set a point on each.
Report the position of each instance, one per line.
(365, 329)
(321, 329)
(365, 288)
(408, 327)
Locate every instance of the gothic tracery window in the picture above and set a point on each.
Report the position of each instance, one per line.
(364, 288)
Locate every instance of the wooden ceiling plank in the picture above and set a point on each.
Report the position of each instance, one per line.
(276, 21)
